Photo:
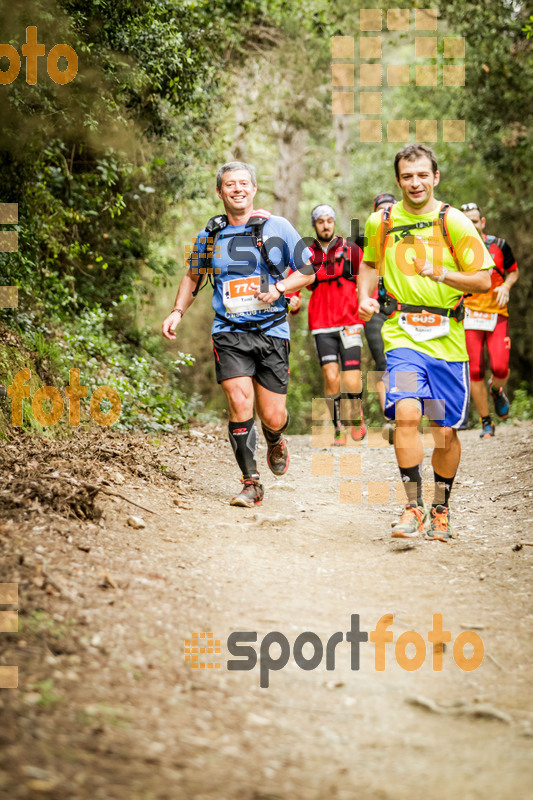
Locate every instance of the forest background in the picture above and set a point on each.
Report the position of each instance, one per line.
(114, 173)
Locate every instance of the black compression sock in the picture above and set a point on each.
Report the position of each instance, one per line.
(412, 480)
(356, 410)
(243, 438)
(486, 420)
(443, 487)
(273, 437)
(334, 405)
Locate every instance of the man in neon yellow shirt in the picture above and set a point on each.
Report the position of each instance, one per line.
(427, 256)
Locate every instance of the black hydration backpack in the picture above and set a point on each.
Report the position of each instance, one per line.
(389, 305)
(256, 223)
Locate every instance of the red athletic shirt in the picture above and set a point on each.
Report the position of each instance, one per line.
(333, 302)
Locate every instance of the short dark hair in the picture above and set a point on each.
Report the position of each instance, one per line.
(412, 151)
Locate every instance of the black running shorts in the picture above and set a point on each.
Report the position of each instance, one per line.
(265, 358)
(330, 348)
(375, 342)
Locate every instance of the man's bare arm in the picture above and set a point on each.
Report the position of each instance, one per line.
(294, 281)
(466, 282)
(367, 280)
(183, 300)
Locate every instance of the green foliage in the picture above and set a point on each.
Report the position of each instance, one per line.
(146, 379)
(522, 403)
(94, 167)
(45, 689)
(114, 172)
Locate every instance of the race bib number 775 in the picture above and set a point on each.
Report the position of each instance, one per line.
(239, 297)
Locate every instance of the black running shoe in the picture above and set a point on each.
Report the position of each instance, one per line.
(251, 494)
(278, 457)
(487, 430)
(501, 401)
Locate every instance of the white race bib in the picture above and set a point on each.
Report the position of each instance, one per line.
(423, 326)
(351, 337)
(239, 297)
(479, 320)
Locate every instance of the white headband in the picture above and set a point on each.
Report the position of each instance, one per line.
(322, 211)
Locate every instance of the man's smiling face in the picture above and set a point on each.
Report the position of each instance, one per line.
(237, 191)
(417, 181)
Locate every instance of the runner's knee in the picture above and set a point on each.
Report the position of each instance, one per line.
(500, 372)
(408, 413)
(351, 381)
(477, 371)
(444, 437)
(275, 419)
(332, 379)
(240, 402)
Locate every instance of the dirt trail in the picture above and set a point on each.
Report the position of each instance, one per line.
(108, 708)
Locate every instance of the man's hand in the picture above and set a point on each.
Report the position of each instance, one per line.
(367, 308)
(266, 297)
(295, 303)
(428, 270)
(170, 324)
(501, 294)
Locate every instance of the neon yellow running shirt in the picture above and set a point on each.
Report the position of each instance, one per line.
(406, 286)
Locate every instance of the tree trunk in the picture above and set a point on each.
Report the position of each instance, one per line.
(344, 210)
(290, 172)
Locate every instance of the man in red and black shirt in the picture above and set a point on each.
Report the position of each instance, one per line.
(335, 322)
(487, 321)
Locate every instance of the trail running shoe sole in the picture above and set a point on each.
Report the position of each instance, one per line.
(278, 457)
(411, 523)
(488, 431)
(440, 529)
(358, 432)
(339, 438)
(251, 495)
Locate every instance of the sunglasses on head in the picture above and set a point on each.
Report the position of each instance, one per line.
(471, 207)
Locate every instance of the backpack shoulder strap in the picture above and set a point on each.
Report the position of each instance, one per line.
(443, 225)
(490, 240)
(213, 228)
(386, 222)
(217, 223)
(257, 222)
(259, 215)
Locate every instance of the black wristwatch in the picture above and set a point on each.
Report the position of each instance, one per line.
(280, 287)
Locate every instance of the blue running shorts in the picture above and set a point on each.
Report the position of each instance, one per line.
(443, 387)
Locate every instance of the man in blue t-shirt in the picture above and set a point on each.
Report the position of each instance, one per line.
(254, 258)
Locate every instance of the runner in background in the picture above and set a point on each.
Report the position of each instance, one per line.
(335, 323)
(487, 321)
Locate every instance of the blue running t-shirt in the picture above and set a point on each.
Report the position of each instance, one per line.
(238, 267)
